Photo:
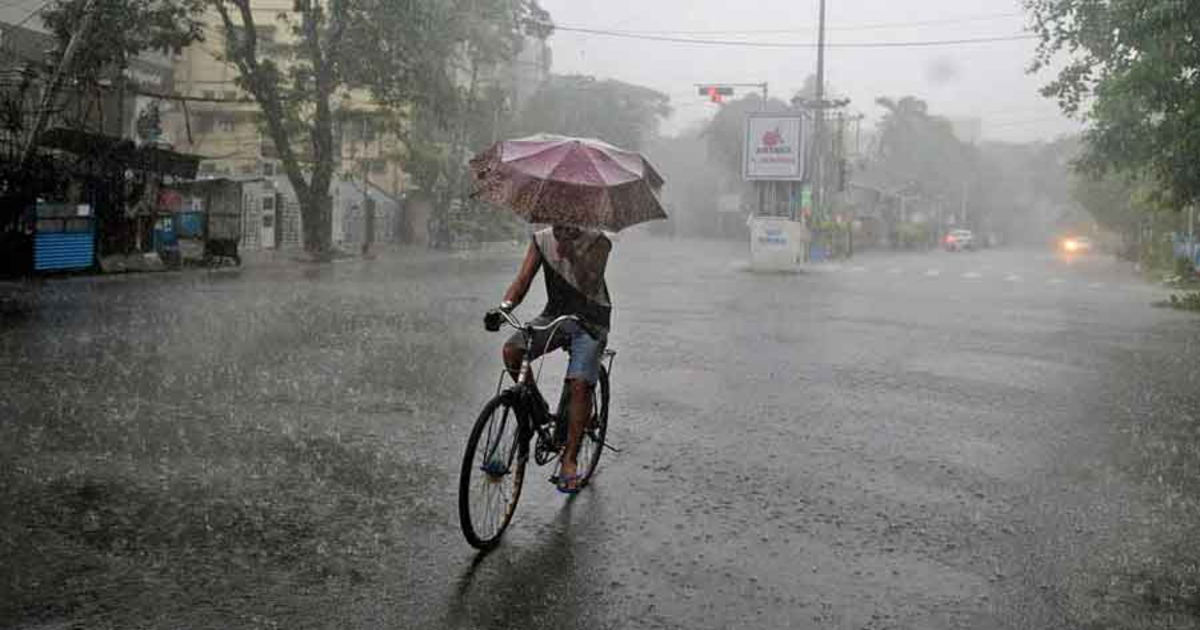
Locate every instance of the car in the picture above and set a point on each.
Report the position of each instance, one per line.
(1076, 245)
(959, 240)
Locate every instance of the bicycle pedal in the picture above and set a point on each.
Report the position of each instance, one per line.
(611, 447)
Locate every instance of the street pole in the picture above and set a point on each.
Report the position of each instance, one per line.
(368, 210)
(819, 127)
(1192, 232)
(964, 205)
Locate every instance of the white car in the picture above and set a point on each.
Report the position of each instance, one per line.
(958, 240)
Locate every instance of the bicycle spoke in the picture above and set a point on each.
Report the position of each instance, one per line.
(495, 471)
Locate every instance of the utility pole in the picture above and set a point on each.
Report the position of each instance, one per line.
(965, 191)
(818, 192)
(1192, 232)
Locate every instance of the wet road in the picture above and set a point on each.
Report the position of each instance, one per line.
(992, 440)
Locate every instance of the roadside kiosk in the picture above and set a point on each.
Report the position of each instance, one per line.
(64, 237)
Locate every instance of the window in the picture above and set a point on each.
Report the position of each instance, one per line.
(268, 203)
(378, 166)
(266, 148)
(268, 221)
(207, 169)
(229, 95)
(368, 130)
(209, 94)
(226, 124)
(205, 123)
(269, 168)
(247, 168)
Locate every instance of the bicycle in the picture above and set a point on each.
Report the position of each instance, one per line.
(508, 423)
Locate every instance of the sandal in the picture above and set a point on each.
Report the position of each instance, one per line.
(568, 484)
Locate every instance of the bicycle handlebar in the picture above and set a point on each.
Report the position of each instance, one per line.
(512, 320)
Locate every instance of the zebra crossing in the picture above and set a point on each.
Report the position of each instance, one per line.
(982, 274)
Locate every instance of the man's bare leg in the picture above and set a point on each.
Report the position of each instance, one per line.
(578, 412)
(513, 354)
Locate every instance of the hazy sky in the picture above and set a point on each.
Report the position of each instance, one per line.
(986, 80)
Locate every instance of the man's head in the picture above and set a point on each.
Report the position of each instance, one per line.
(566, 233)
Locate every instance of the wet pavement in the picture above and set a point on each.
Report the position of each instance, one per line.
(1002, 439)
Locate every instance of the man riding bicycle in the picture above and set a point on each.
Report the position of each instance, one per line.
(573, 262)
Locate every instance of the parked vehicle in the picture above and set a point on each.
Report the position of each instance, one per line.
(959, 240)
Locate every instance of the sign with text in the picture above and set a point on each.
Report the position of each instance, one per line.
(776, 146)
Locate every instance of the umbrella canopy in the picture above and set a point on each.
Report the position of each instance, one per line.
(569, 181)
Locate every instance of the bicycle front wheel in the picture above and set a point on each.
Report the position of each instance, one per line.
(493, 471)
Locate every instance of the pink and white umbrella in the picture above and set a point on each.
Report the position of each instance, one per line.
(570, 181)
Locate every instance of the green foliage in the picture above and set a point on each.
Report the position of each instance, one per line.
(619, 113)
(913, 235)
(112, 41)
(1131, 67)
(919, 151)
(1188, 301)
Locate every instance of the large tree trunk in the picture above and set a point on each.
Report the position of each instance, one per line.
(312, 193)
(316, 217)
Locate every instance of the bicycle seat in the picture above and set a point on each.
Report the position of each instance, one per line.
(608, 352)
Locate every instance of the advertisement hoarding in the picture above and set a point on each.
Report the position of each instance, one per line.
(776, 147)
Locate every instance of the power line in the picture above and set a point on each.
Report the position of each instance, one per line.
(753, 44)
(809, 29)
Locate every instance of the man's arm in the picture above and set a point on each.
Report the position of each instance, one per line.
(529, 268)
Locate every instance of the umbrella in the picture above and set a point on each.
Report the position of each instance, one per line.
(571, 181)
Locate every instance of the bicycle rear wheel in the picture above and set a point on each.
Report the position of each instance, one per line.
(591, 445)
(493, 471)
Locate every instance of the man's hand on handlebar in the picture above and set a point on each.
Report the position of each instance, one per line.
(495, 317)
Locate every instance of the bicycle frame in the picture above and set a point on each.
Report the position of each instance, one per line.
(531, 408)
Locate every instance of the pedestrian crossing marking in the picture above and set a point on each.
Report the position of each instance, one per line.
(933, 273)
(1053, 281)
(972, 275)
(1012, 277)
(858, 270)
(895, 270)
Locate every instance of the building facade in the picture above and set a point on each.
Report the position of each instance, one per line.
(223, 124)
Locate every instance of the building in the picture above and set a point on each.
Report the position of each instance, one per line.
(225, 125)
(93, 152)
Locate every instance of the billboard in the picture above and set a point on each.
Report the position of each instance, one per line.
(776, 147)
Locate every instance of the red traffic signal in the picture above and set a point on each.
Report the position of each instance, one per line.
(715, 92)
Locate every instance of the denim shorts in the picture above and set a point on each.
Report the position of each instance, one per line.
(583, 349)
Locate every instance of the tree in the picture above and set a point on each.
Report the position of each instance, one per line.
(1132, 69)
(110, 42)
(619, 113)
(918, 148)
(401, 55)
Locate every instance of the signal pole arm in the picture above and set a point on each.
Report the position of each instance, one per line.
(520, 287)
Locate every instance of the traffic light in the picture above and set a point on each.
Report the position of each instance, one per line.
(715, 93)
